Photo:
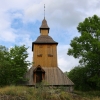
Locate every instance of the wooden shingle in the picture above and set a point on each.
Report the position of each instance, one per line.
(53, 76)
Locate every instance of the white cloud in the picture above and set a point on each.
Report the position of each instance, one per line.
(6, 33)
(62, 15)
(33, 12)
(66, 62)
(8, 36)
(30, 57)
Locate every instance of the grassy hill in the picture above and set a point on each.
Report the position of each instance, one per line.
(44, 93)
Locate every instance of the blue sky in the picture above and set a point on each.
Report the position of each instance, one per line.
(20, 21)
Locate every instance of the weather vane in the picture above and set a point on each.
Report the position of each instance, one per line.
(44, 11)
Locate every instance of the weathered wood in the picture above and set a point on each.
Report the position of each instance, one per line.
(44, 32)
(45, 55)
(45, 58)
(53, 76)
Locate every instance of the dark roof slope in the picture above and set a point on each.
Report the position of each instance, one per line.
(45, 39)
(44, 24)
(53, 76)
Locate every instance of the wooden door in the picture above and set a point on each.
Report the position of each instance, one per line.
(38, 76)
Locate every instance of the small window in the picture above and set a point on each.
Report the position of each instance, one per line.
(50, 51)
(50, 55)
(39, 51)
(39, 55)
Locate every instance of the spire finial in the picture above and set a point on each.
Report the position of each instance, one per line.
(44, 11)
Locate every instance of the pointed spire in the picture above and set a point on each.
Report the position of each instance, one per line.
(44, 11)
(44, 24)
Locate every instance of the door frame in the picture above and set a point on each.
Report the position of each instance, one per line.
(37, 70)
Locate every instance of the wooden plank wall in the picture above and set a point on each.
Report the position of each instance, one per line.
(45, 55)
(44, 32)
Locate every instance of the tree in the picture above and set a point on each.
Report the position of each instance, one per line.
(79, 76)
(14, 65)
(86, 47)
(4, 63)
(4, 55)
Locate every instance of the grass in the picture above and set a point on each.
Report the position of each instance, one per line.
(44, 93)
(91, 95)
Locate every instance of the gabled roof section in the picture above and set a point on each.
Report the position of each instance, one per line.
(38, 68)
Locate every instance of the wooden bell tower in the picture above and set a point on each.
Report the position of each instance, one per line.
(44, 48)
(45, 65)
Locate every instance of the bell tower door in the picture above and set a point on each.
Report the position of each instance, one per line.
(38, 76)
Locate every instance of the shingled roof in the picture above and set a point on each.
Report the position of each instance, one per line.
(45, 39)
(44, 24)
(53, 76)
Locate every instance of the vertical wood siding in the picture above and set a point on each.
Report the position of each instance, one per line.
(45, 55)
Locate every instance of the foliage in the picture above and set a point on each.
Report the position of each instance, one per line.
(4, 56)
(89, 94)
(79, 76)
(86, 47)
(13, 65)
